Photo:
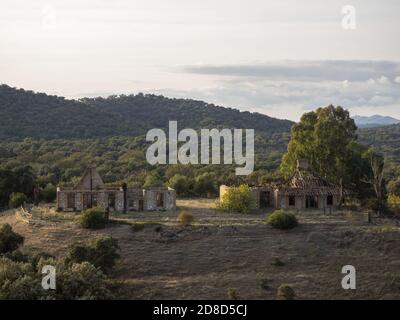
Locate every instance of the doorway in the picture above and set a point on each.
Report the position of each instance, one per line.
(140, 205)
(264, 199)
(311, 202)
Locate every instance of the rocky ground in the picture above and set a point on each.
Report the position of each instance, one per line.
(161, 259)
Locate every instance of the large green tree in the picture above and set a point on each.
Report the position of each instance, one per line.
(327, 139)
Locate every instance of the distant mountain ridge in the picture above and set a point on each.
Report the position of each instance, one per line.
(374, 121)
(38, 115)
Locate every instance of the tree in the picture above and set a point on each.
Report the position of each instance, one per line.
(49, 193)
(205, 184)
(327, 139)
(152, 180)
(183, 185)
(377, 164)
(17, 199)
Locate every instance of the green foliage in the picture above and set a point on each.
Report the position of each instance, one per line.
(18, 281)
(205, 185)
(18, 179)
(17, 199)
(53, 117)
(237, 199)
(232, 294)
(101, 253)
(49, 193)
(282, 220)
(9, 240)
(152, 180)
(93, 218)
(22, 281)
(394, 202)
(285, 292)
(185, 217)
(327, 139)
(183, 185)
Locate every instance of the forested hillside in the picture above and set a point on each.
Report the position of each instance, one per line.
(384, 139)
(52, 139)
(37, 115)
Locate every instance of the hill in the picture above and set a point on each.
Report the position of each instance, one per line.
(385, 139)
(38, 115)
(374, 121)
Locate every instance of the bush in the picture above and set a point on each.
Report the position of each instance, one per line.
(394, 203)
(378, 206)
(9, 240)
(93, 218)
(17, 199)
(16, 256)
(101, 253)
(49, 193)
(18, 281)
(21, 281)
(277, 262)
(185, 218)
(282, 220)
(205, 185)
(237, 199)
(232, 294)
(264, 284)
(285, 292)
(183, 185)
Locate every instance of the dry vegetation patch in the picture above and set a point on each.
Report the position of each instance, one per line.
(164, 260)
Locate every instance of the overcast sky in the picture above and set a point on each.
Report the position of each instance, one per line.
(280, 58)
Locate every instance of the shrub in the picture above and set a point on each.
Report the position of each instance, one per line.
(232, 294)
(18, 281)
(378, 206)
(17, 199)
(205, 185)
(278, 262)
(394, 203)
(9, 240)
(285, 292)
(185, 218)
(282, 220)
(237, 199)
(93, 218)
(101, 253)
(21, 281)
(16, 256)
(264, 284)
(49, 193)
(183, 185)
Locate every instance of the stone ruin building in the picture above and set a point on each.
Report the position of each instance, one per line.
(91, 191)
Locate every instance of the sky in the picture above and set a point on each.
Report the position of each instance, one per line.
(280, 58)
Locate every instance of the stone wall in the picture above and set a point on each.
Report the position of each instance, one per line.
(148, 196)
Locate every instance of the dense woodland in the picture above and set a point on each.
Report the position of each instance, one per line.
(50, 140)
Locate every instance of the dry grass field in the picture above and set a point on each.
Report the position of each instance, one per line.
(162, 260)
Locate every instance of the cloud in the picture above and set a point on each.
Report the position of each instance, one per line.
(287, 89)
(334, 70)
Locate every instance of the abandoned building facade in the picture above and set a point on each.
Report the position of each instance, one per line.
(92, 192)
(304, 190)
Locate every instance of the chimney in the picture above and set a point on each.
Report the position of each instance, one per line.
(302, 164)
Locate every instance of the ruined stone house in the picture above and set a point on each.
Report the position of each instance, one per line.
(305, 189)
(91, 191)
